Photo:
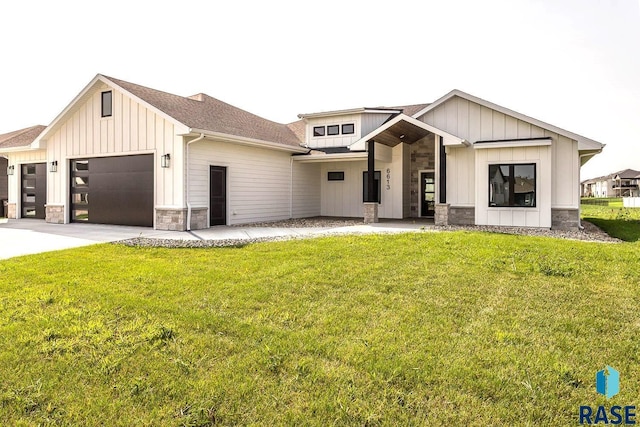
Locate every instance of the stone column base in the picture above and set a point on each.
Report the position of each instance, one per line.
(442, 214)
(565, 219)
(176, 219)
(370, 212)
(11, 211)
(54, 214)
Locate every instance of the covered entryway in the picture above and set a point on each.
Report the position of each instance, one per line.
(218, 195)
(112, 190)
(34, 190)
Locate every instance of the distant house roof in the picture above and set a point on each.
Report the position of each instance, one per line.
(626, 174)
(204, 112)
(20, 138)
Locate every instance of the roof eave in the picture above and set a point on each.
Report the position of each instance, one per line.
(587, 142)
(247, 141)
(349, 111)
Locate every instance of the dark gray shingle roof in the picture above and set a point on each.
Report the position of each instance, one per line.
(210, 114)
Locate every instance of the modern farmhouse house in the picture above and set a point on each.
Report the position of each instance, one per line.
(121, 153)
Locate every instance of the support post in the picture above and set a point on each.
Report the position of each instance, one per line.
(443, 171)
(371, 202)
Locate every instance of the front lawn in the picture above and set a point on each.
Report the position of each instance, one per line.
(449, 328)
(617, 221)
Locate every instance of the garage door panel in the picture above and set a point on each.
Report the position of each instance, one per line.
(119, 190)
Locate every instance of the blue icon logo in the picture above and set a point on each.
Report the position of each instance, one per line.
(608, 382)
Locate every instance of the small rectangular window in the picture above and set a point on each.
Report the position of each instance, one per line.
(318, 131)
(348, 129)
(512, 185)
(107, 104)
(333, 130)
(335, 176)
(365, 186)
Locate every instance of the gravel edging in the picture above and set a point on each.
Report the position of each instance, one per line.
(590, 233)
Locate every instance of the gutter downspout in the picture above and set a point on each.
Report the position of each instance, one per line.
(200, 138)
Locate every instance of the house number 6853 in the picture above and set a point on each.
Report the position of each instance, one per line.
(388, 179)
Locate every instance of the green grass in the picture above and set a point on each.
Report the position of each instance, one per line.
(615, 202)
(623, 223)
(414, 329)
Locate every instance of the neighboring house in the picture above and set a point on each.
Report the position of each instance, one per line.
(122, 153)
(16, 141)
(624, 183)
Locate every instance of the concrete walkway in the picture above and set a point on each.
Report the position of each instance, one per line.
(28, 236)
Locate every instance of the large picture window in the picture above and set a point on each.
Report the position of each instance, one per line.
(365, 186)
(512, 185)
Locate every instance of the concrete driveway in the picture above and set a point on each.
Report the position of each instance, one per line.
(31, 236)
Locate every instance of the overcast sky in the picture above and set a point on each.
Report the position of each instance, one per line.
(571, 63)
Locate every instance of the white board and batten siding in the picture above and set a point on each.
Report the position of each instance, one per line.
(345, 198)
(258, 180)
(132, 129)
(538, 216)
(334, 140)
(474, 122)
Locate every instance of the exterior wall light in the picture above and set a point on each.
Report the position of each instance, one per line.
(54, 166)
(165, 160)
(10, 169)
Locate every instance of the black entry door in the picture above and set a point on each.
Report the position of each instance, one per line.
(427, 194)
(34, 190)
(218, 196)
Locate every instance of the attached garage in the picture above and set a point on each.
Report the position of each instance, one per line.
(112, 190)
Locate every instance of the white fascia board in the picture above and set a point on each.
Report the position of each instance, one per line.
(88, 88)
(583, 142)
(350, 111)
(511, 143)
(336, 157)
(19, 149)
(247, 141)
(449, 139)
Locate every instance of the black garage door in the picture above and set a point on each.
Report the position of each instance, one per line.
(113, 190)
(34, 190)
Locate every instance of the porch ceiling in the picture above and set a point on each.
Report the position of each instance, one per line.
(401, 131)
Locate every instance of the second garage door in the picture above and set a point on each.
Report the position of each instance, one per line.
(113, 190)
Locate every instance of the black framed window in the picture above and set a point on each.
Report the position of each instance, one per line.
(107, 104)
(512, 185)
(335, 176)
(348, 129)
(333, 130)
(365, 185)
(318, 131)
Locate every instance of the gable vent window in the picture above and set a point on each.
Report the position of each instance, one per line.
(318, 131)
(335, 176)
(107, 104)
(333, 130)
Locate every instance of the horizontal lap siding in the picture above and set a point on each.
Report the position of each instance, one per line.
(306, 190)
(16, 159)
(258, 180)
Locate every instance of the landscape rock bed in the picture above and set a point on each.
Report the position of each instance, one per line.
(589, 233)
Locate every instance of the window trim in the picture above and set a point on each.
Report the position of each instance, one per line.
(103, 110)
(377, 177)
(335, 176)
(316, 129)
(353, 128)
(511, 181)
(337, 129)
